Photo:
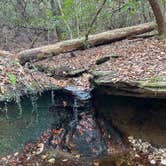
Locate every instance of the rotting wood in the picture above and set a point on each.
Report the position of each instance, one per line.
(79, 43)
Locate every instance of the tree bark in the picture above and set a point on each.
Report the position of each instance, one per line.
(94, 19)
(75, 44)
(56, 12)
(159, 17)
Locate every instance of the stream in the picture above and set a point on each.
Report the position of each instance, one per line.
(94, 127)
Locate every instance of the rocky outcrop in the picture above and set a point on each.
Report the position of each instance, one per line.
(105, 82)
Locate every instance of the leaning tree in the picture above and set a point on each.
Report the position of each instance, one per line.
(161, 21)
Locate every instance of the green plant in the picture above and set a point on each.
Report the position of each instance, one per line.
(12, 78)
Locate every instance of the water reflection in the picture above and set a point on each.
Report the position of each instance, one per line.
(23, 122)
(141, 118)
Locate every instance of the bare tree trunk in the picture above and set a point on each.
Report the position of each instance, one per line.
(75, 44)
(77, 10)
(94, 20)
(21, 8)
(56, 12)
(159, 17)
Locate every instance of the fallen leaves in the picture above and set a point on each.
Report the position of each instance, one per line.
(96, 162)
(134, 60)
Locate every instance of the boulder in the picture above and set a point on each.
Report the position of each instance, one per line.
(105, 82)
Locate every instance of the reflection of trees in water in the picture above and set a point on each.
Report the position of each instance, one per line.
(76, 125)
(34, 112)
(6, 111)
(18, 101)
(52, 97)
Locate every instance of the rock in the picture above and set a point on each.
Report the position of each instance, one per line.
(105, 83)
(51, 161)
(102, 76)
(102, 60)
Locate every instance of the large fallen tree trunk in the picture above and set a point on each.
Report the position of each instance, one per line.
(75, 44)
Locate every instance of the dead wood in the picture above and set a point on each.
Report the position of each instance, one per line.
(75, 44)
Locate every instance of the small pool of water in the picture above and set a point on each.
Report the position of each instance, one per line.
(24, 122)
(93, 127)
(17, 129)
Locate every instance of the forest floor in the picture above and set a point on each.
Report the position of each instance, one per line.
(129, 59)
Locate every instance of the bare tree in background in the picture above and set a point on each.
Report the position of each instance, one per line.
(159, 17)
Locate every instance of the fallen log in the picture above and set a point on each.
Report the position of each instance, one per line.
(75, 44)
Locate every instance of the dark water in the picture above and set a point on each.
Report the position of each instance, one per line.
(70, 109)
(94, 127)
(18, 128)
(139, 117)
(78, 120)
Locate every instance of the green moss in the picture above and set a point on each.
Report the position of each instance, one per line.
(155, 82)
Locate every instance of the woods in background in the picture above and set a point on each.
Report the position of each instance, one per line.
(29, 21)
